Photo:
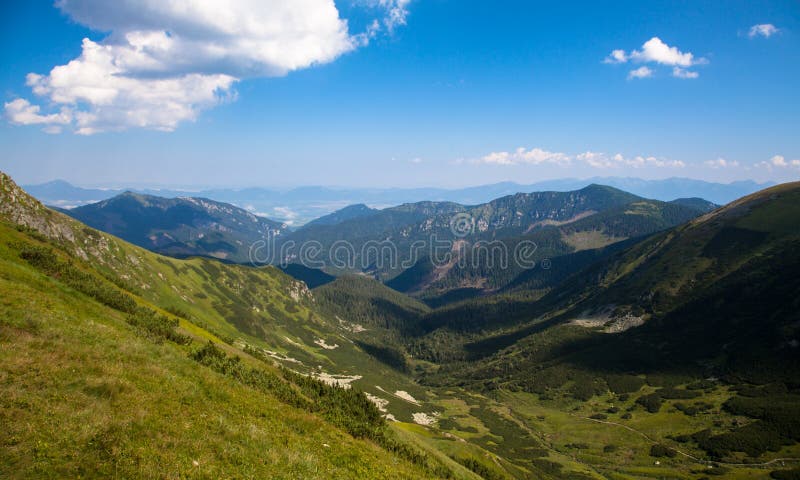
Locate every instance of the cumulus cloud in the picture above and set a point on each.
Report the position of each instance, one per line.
(641, 72)
(21, 112)
(655, 51)
(535, 156)
(538, 156)
(779, 162)
(603, 161)
(722, 163)
(165, 62)
(616, 56)
(765, 30)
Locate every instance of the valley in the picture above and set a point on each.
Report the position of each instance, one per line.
(583, 379)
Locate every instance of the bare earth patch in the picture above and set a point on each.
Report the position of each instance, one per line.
(425, 419)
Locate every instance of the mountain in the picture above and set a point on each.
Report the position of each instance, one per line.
(301, 205)
(445, 251)
(717, 296)
(193, 367)
(179, 227)
(347, 213)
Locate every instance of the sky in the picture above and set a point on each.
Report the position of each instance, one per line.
(397, 93)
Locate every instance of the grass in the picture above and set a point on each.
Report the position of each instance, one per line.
(84, 395)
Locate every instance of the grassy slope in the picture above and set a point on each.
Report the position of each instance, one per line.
(83, 395)
(163, 405)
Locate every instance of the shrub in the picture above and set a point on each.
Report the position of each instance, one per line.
(548, 467)
(652, 402)
(624, 383)
(659, 451)
(156, 327)
(670, 393)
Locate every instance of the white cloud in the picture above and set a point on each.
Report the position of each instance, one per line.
(595, 159)
(657, 52)
(722, 163)
(639, 161)
(416, 160)
(779, 162)
(603, 161)
(519, 156)
(396, 13)
(641, 72)
(654, 50)
(537, 156)
(616, 56)
(679, 72)
(164, 62)
(765, 30)
(21, 112)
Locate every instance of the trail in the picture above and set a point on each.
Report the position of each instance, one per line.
(547, 445)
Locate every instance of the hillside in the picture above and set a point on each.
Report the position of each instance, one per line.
(389, 242)
(555, 246)
(715, 298)
(121, 337)
(179, 227)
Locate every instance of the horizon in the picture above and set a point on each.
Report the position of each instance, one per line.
(399, 93)
(288, 188)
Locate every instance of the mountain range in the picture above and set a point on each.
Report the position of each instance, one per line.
(669, 352)
(396, 241)
(300, 205)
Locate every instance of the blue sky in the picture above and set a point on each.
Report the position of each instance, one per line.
(405, 93)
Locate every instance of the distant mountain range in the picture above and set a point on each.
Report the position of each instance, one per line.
(301, 205)
(397, 244)
(557, 223)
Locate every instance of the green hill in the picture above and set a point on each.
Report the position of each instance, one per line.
(108, 371)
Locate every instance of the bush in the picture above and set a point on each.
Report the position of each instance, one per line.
(660, 451)
(624, 383)
(586, 387)
(547, 467)
(652, 402)
(670, 393)
(156, 327)
(599, 416)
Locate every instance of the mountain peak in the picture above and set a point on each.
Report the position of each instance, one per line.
(349, 212)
